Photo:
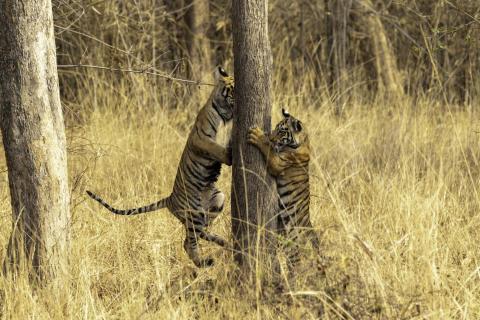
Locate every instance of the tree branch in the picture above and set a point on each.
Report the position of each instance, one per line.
(139, 71)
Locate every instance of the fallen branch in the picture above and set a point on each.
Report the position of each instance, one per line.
(145, 71)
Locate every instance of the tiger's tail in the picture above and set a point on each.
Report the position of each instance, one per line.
(127, 212)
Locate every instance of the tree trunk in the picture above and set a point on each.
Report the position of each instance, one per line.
(337, 22)
(253, 190)
(198, 22)
(34, 138)
(471, 69)
(389, 83)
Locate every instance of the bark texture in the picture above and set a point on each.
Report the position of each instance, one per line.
(34, 137)
(253, 190)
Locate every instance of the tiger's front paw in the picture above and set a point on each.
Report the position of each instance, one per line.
(254, 135)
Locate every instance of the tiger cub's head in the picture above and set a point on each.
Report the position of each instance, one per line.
(288, 134)
(222, 95)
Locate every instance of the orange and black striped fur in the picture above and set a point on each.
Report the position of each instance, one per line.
(287, 153)
(195, 200)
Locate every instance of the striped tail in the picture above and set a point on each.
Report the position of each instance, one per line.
(127, 212)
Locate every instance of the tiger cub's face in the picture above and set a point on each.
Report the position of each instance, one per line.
(289, 133)
(223, 95)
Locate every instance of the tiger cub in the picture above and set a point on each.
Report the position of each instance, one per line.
(195, 200)
(287, 153)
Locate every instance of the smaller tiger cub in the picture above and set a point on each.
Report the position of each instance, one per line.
(287, 153)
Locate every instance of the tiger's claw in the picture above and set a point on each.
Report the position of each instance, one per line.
(254, 135)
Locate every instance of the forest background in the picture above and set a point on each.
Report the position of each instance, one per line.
(389, 92)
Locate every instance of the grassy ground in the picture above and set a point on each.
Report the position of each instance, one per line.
(395, 201)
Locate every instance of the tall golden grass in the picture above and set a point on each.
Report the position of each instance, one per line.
(395, 194)
(394, 198)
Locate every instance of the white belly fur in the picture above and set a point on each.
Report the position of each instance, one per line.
(224, 132)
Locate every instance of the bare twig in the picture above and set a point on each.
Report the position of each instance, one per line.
(69, 29)
(474, 18)
(139, 71)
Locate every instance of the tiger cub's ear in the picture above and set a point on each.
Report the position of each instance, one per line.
(297, 125)
(220, 73)
(285, 113)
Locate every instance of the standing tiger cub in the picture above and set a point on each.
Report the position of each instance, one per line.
(287, 153)
(195, 200)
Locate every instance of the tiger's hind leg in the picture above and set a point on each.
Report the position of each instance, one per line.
(213, 238)
(216, 201)
(191, 248)
(299, 258)
(312, 236)
(296, 236)
(193, 233)
(214, 205)
(321, 260)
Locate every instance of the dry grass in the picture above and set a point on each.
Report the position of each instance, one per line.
(395, 200)
(395, 195)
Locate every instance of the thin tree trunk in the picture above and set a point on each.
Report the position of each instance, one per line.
(471, 69)
(198, 22)
(33, 137)
(253, 190)
(388, 77)
(337, 22)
